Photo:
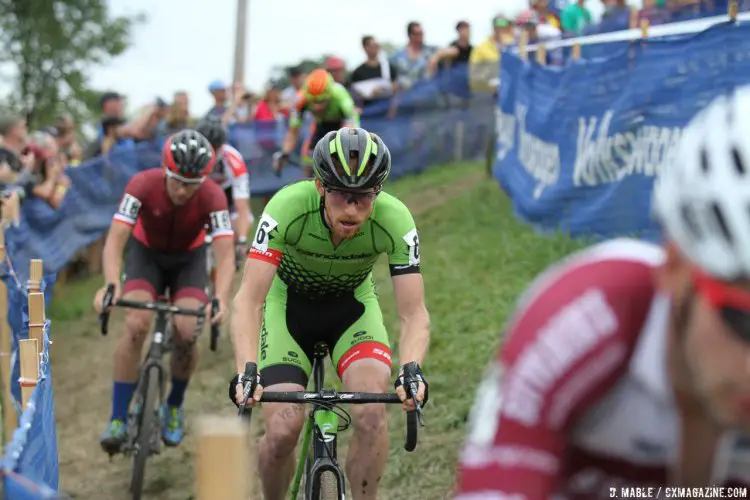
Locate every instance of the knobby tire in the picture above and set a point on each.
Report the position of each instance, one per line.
(146, 433)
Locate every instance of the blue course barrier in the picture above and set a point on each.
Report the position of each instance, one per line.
(30, 464)
(436, 123)
(578, 147)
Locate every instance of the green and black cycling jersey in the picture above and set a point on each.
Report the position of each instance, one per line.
(326, 293)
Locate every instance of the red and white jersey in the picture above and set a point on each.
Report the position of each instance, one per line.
(579, 400)
(231, 171)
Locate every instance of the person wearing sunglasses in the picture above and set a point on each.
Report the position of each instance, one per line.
(331, 107)
(628, 364)
(308, 279)
(161, 217)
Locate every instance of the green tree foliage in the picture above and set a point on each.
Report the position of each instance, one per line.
(48, 48)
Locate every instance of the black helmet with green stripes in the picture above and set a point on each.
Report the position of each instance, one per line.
(351, 158)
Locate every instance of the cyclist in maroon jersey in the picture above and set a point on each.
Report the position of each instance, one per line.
(166, 210)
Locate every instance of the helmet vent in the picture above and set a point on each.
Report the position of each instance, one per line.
(721, 222)
(739, 165)
(704, 161)
(689, 216)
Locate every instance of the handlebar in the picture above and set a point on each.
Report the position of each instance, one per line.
(156, 306)
(331, 397)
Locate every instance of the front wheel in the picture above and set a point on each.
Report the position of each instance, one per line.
(148, 431)
(326, 486)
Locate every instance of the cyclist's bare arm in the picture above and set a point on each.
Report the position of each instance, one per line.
(245, 217)
(114, 246)
(247, 309)
(415, 320)
(291, 139)
(223, 249)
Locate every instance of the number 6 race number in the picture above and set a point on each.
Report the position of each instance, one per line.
(265, 226)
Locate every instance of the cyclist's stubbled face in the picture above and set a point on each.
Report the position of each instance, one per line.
(317, 107)
(179, 192)
(345, 212)
(714, 358)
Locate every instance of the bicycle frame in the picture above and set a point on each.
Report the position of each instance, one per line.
(160, 345)
(320, 434)
(321, 430)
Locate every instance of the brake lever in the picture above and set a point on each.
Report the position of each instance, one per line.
(109, 296)
(251, 373)
(414, 389)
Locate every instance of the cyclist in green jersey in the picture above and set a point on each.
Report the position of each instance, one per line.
(331, 106)
(308, 279)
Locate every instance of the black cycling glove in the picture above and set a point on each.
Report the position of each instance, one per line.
(411, 374)
(249, 380)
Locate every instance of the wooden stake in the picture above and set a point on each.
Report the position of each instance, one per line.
(576, 52)
(523, 43)
(541, 54)
(734, 8)
(29, 360)
(36, 271)
(37, 318)
(223, 462)
(10, 419)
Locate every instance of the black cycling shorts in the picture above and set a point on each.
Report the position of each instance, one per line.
(183, 274)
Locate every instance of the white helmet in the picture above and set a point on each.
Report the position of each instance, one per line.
(702, 198)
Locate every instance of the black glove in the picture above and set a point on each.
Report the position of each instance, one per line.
(249, 380)
(411, 374)
(281, 159)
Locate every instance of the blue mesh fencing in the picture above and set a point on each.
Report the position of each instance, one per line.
(579, 146)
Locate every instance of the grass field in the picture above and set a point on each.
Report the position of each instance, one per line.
(476, 259)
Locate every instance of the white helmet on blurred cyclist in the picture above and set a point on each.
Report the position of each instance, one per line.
(702, 198)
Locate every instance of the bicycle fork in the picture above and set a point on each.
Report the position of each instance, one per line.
(319, 438)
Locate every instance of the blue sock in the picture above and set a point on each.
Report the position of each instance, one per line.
(177, 394)
(121, 396)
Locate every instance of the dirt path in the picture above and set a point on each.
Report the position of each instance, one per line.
(82, 371)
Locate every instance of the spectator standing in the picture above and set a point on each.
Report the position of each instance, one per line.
(14, 154)
(142, 128)
(51, 182)
(64, 132)
(616, 16)
(541, 14)
(412, 61)
(375, 79)
(14, 136)
(246, 109)
(218, 90)
(575, 17)
(458, 52)
(337, 68)
(112, 133)
(289, 95)
(178, 116)
(485, 57)
(269, 108)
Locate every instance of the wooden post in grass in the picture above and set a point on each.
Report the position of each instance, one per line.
(10, 418)
(29, 359)
(223, 461)
(36, 303)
